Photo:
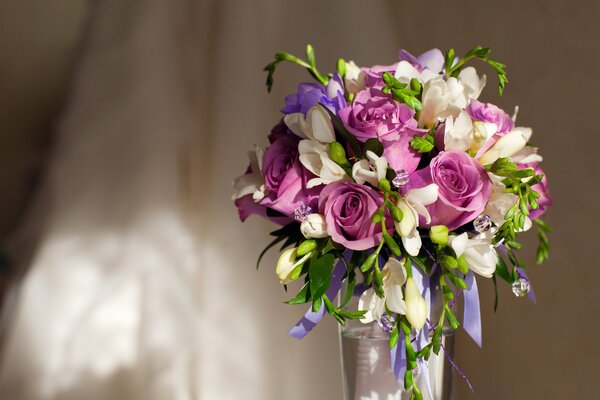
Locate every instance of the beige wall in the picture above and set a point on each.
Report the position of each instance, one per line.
(543, 351)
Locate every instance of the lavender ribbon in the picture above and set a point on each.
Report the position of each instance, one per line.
(472, 312)
(398, 358)
(311, 318)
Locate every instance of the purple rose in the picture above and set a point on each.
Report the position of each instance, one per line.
(464, 188)
(541, 188)
(374, 75)
(487, 112)
(400, 154)
(375, 115)
(348, 209)
(309, 94)
(285, 177)
(247, 206)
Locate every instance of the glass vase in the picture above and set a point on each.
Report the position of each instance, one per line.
(366, 366)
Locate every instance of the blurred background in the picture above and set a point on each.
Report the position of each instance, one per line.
(129, 275)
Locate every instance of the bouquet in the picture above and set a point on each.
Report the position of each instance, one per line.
(397, 183)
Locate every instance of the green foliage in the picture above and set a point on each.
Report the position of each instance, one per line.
(423, 144)
(310, 65)
(319, 272)
(481, 53)
(543, 250)
(403, 93)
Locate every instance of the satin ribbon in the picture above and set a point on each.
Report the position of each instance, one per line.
(311, 318)
(472, 311)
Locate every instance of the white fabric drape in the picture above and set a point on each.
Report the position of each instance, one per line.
(141, 283)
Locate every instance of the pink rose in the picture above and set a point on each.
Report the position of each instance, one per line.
(464, 188)
(348, 209)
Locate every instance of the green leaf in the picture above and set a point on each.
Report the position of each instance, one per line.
(421, 144)
(319, 271)
(496, 298)
(375, 146)
(302, 297)
(452, 318)
(350, 285)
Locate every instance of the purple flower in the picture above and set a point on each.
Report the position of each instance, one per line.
(285, 177)
(464, 188)
(348, 209)
(375, 115)
(374, 75)
(432, 59)
(400, 154)
(487, 112)
(541, 188)
(309, 94)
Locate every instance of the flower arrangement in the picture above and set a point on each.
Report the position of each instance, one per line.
(396, 181)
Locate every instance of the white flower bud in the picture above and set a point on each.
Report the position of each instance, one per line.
(314, 226)
(416, 309)
(287, 264)
(355, 78)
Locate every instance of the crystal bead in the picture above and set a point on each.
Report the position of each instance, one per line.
(387, 323)
(482, 223)
(301, 212)
(401, 178)
(521, 287)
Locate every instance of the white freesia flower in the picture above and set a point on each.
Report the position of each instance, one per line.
(482, 131)
(252, 183)
(458, 134)
(314, 157)
(314, 226)
(473, 85)
(372, 170)
(499, 202)
(507, 146)
(441, 99)
(394, 276)
(527, 154)
(405, 71)
(316, 126)
(478, 252)
(355, 78)
(287, 263)
(416, 308)
(413, 205)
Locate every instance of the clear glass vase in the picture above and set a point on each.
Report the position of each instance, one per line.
(366, 367)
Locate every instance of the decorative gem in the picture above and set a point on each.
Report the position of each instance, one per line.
(521, 287)
(483, 223)
(401, 178)
(301, 212)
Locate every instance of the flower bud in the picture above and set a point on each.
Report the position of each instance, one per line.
(338, 154)
(288, 268)
(439, 234)
(416, 309)
(314, 226)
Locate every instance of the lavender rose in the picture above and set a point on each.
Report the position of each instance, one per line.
(348, 209)
(487, 112)
(310, 94)
(375, 115)
(374, 75)
(541, 188)
(464, 188)
(285, 178)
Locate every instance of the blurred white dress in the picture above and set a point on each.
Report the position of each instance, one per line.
(141, 280)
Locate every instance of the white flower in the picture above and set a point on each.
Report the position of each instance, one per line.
(371, 171)
(499, 202)
(413, 205)
(508, 145)
(316, 126)
(355, 78)
(314, 226)
(478, 252)
(416, 308)
(405, 71)
(441, 99)
(482, 131)
(252, 183)
(458, 134)
(314, 157)
(473, 85)
(287, 263)
(394, 276)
